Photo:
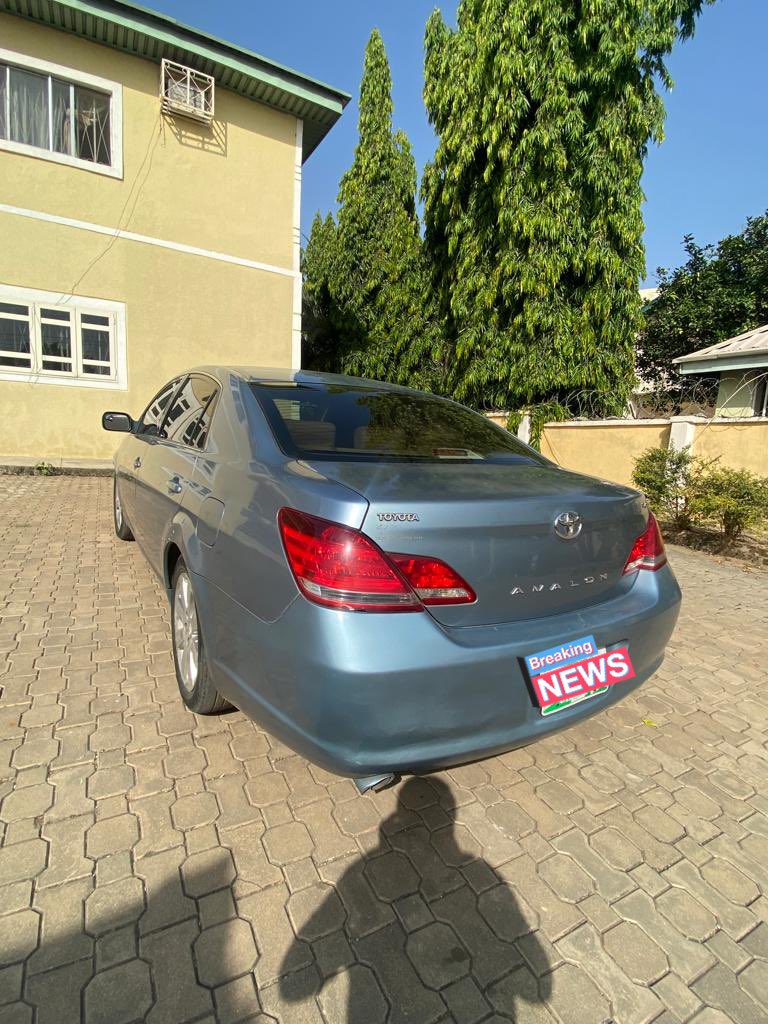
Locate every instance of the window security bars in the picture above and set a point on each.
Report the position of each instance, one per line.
(186, 92)
(49, 113)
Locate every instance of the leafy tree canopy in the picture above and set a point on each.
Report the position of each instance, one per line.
(543, 111)
(366, 296)
(719, 292)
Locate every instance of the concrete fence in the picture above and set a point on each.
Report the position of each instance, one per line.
(609, 448)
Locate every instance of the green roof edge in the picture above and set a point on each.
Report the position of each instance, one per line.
(329, 100)
(251, 54)
(733, 361)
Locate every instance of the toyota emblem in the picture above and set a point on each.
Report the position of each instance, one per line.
(568, 525)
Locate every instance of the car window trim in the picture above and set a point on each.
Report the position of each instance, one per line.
(183, 380)
(215, 394)
(213, 400)
(140, 428)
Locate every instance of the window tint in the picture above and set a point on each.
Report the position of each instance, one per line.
(189, 416)
(360, 423)
(154, 413)
(204, 423)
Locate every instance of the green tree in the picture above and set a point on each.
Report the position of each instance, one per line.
(719, 292)
(319, 316)
(365, 275)
(543, 111)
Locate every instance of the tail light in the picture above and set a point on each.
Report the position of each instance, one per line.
(433, 580)
(648, 550)
(339, 567)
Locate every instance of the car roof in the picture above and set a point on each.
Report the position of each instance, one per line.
(276, 375)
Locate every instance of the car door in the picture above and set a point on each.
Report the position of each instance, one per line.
(136, 448)
(167, 465)
(205, 509)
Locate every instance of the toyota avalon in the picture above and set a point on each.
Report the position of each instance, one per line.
(384, 579)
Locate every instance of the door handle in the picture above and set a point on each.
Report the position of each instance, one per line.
(137, 463)
(174, 485)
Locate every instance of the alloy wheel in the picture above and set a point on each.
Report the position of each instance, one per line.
(186, 633)
(118, 509)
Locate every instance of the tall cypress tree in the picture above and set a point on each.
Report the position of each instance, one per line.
(319, 315)
(543, 111)
(367, 274)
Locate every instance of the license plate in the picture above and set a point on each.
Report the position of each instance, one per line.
(561, 705)
(576, 671)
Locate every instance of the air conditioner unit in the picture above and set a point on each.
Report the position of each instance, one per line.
(186, 92)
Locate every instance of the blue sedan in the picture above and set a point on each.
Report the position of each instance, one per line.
(382, 578)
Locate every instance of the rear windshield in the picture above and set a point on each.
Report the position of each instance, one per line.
(331, 421)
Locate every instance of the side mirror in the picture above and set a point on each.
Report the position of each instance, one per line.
(118, 421)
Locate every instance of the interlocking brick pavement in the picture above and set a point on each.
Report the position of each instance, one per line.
(156, 866)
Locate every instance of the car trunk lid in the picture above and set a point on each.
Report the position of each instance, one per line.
(494, 523)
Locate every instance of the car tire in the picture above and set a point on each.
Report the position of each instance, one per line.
(189, 656)
(122, 529)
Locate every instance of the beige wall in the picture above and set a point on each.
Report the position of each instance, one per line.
(499, 418)
(742, 445)
(606, 449)
(181, 311)
(230, 190)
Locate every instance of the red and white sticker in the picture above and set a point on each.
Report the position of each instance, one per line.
(581, 677)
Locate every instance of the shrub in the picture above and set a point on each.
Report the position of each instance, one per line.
(734, 498)
(669, 477)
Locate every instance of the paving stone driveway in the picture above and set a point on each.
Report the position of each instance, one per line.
(162, 867)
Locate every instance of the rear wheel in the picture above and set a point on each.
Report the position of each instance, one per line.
(122, 529)
(192, 674)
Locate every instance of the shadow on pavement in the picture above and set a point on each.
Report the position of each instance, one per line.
(432, 922)
(417, 929)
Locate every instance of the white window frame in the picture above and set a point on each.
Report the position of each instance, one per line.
(77, 305)
(75, 77)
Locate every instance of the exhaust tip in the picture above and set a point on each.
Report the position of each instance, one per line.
(376, 783)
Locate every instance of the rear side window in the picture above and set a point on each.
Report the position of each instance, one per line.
(204, 423)
(155, 412)
(189, 417)
(330, 421)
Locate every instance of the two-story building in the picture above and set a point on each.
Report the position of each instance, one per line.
(150, 185)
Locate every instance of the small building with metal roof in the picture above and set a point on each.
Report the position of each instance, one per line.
(742, 364)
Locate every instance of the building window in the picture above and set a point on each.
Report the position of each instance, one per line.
(71, 120)
(54, 338)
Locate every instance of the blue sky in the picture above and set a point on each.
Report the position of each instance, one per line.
(710, 173)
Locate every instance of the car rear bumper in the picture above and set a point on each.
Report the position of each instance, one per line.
(362, 693)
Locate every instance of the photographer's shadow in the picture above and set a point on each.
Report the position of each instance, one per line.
(434, 924)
